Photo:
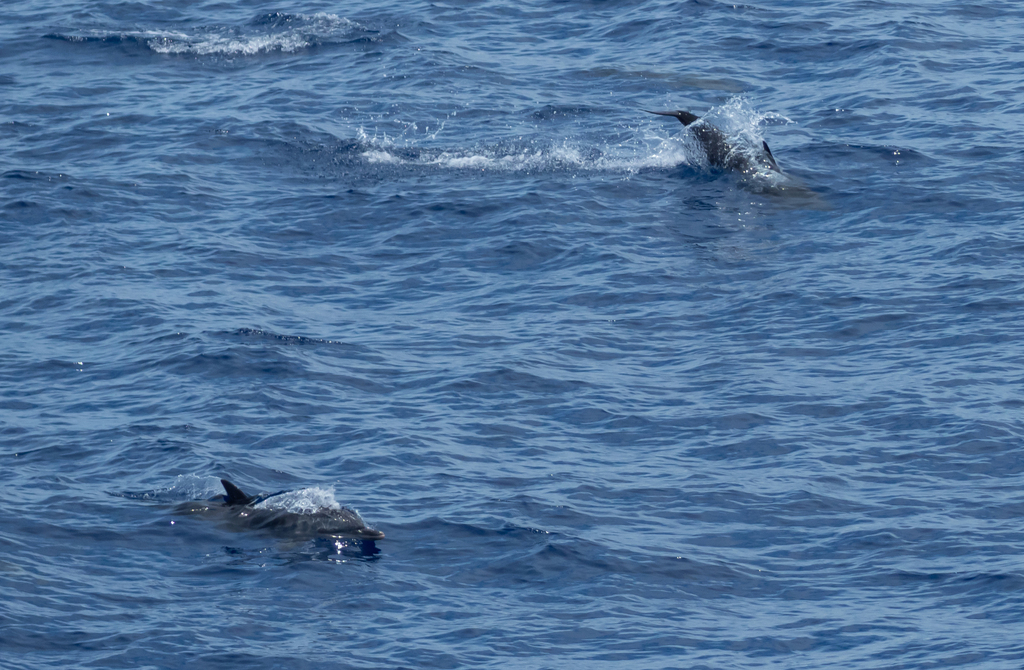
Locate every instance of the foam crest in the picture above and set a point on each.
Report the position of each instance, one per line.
(270, 33)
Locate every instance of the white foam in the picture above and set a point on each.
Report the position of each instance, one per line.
(221, 45)
(568, 155)
(377, 156)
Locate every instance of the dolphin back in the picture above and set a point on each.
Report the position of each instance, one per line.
(324, 522)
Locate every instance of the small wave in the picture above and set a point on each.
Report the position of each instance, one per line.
(269, 33)
(185, 487)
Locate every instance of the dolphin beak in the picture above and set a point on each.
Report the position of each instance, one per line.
(370, 534)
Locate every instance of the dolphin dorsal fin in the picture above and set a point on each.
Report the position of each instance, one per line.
(235, 495)
(685, 118)
(771, 159)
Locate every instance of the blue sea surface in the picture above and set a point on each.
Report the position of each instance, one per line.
(611, 405)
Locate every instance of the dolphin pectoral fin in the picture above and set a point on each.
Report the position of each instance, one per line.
(685, 118)
(235, 495)
(771, 159)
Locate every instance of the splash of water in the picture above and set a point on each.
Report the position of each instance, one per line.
(302, 501)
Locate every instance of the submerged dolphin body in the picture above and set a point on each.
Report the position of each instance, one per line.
(261, 513)
(720, 152)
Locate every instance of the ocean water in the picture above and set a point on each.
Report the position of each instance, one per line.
(613, 407)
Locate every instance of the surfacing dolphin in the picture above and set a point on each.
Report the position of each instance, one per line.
(264, 513)
(720, 151)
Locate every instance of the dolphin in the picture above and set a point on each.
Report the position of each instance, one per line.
(720, 151)
(264, 513)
